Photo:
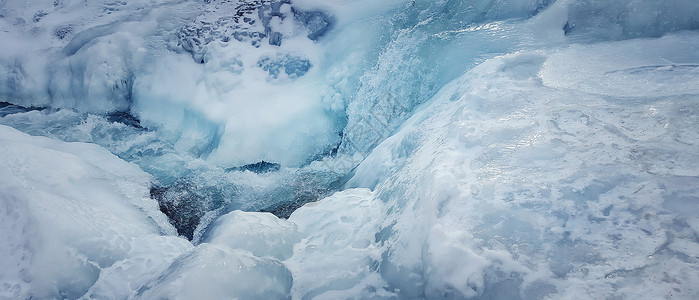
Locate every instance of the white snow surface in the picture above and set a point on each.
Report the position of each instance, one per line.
(521, 149)
(108, 56)
(514, 177)
(69, 210)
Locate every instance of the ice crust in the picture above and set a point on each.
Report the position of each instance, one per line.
(120, 56)
(515, 188)
(69, 210)
(508, 149)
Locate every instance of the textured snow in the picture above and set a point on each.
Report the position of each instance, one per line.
(211, 272)
(117, 56)
(338, 231)
(507, 149)
(69, 210)
(261, 234)
(526, 180)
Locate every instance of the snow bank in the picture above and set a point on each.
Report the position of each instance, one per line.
(211, 272)
(78, 222)
(69, 210)
(338, 231)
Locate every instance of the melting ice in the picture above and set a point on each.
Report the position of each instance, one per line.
(506, 149)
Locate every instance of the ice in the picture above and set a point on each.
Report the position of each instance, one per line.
(291, 66)
(121, 60)
(514, 182)
(71, 210)
(507, 149)
(629, 19)
(642, 69)
(102, 71)
(78, 222)
(429, 43)
(262, 234)
(234, 123)
(316, 22)
(213, 272)
(74, 55)
(148, 257)
(338, 231)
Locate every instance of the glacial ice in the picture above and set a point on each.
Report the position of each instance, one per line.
(69, 209)
(212, 272)
(507, 149)
(513, 189)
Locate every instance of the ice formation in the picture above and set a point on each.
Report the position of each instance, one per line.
(306, 149)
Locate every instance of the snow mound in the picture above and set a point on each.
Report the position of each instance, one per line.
(69, 210)
(212, 272)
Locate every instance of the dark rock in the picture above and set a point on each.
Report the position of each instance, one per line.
(317, 23)
(292, 66)
(185, 204)
(125, 118)
(61, 32)
(7, 108)
(259, 167)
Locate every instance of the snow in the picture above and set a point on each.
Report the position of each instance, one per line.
(338, 231)
(262, 234)
(508, 149)
(121, 59)
(211, 272)
(69, 209)
(512, 165)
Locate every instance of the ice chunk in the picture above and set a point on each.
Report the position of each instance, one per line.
(82, 205)
(262, 234)
(222, 21)
(215, 272)
(97, 78)
(147, 258)
(339, 231)
(88, 57)
(317, 22)
(638, 69)
(285, 66)
(82, 38)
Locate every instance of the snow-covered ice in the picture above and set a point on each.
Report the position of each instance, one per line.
(69, 210)
(507, 149)
(524, 181)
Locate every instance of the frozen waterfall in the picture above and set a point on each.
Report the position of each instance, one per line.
(349, 149)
